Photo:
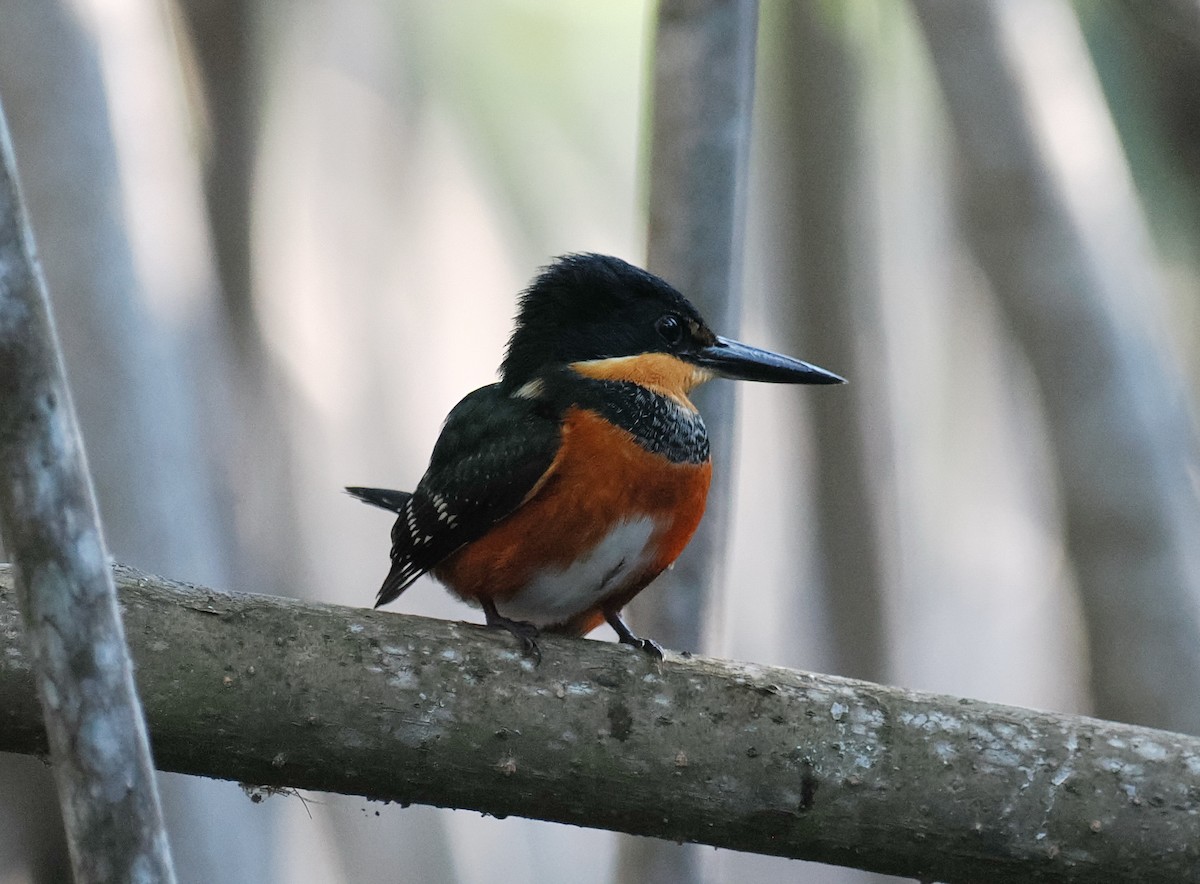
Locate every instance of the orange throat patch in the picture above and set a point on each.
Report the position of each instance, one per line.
(660, 372)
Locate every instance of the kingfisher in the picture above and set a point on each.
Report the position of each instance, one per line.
(555, 496)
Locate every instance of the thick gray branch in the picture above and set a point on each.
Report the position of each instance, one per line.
(279, 692)
(51, 530)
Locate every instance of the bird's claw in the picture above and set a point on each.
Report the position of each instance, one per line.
(626, 636)
(524, 631)
(526, 634)
(650, 646)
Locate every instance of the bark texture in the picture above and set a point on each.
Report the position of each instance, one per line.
(399, 708)
(51, 529)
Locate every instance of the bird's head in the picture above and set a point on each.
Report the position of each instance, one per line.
(606, 318)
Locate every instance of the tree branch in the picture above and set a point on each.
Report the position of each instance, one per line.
(397, 708)
(52, 531)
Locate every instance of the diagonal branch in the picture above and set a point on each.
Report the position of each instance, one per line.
(51, 529)
(398, 708)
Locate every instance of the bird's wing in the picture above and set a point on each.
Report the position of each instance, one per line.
(493, 452)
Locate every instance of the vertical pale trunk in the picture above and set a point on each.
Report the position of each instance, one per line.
(703, 89)
(225, 40)
(826, 254)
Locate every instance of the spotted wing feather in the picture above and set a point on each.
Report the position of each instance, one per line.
(493, 450)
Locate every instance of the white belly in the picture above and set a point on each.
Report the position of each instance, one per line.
(554, 596)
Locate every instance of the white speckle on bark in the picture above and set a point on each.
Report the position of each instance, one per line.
(866, 719)
(1149, 750)
(1000, 757)
(945, 752)
(932, 721)
(50, 695)
(1116, 765)
(404, 680)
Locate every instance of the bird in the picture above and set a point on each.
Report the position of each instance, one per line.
(557, 494)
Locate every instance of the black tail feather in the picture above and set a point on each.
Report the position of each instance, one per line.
(384, 498)
(403, 571)
(402, 575)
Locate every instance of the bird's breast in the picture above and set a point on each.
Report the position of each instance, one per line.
(611, 514)
(556, 593)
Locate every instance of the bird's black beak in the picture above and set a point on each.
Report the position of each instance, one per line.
(732, 359)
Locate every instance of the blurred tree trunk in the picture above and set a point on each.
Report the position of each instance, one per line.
(44, 52)
(97, 738)
(823, 251)
(1167, 35)
(703, 90)
(1060, 237)
(224, 37)
(818, 248)
(256, 465)
(130, 344)
(1148, 57)
(336, 190)
(703, 87)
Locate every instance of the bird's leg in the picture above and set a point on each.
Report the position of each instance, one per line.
(524, 631)
(625, 634)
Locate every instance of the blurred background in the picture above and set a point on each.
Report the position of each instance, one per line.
(283, 239)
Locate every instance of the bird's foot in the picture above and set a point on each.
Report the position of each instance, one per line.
(649, 645)
(525, 632)
(627, 637)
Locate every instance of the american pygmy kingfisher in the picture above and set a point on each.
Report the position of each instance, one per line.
(555, 496)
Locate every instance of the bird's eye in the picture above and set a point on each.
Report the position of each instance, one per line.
(670, 329)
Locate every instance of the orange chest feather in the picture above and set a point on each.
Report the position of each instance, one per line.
(600, 479)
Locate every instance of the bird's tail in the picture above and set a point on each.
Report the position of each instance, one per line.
(384, 498)
(403, 571)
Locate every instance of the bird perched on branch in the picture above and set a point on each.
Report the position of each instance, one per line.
(555, 496)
